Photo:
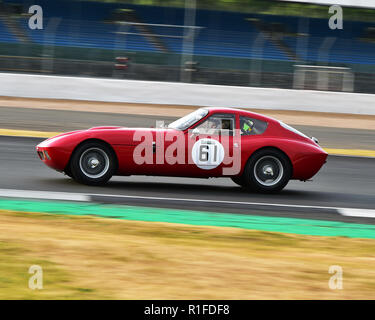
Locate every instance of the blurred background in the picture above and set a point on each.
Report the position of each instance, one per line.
(258, 43)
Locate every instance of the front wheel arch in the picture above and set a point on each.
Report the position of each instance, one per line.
(67, 168)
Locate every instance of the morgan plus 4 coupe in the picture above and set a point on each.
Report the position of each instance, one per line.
(257, 152)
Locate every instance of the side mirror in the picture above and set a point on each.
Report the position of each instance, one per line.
(195, 133)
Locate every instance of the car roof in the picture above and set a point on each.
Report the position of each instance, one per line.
(241, 112)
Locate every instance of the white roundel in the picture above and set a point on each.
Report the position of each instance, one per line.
(208, 154)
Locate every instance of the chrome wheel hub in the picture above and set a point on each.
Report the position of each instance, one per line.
(268, 171)
(94, 163)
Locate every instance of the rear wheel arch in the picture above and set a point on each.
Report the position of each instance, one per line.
(271, 148)
(277, 158)
(240, 178)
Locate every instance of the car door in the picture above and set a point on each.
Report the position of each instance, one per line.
(210, 146)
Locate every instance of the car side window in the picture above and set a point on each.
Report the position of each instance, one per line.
(250, 126)
(218, 125)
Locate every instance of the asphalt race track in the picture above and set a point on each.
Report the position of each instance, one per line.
(345, 182)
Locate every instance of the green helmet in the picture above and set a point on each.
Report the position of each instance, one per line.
(248, 126)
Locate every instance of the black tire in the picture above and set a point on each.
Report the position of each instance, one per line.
(68, 172)
(268, 170)
(239, 180)
(93, 163)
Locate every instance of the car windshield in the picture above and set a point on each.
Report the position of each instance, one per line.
(187, 121)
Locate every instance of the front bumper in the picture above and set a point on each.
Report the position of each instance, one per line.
(53, 157)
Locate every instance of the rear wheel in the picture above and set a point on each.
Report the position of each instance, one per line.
(268, 170)
(93, 163)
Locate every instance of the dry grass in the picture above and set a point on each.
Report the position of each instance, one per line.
(89, 258)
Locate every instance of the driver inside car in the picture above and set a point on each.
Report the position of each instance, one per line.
(211, 126)
(246, 127)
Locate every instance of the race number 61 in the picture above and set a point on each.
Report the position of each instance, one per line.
(208, 154)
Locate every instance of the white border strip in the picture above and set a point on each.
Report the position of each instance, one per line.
(43, 195)
(152, 92)
(362, 213)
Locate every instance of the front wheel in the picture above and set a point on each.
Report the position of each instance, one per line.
(268, 170)
(93, 163)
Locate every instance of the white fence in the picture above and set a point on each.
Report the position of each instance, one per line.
(94, 89)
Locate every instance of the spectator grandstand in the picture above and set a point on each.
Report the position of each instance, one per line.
(237, 37)
(5, 34)
(229, 34)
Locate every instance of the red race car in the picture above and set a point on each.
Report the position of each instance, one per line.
(255, 151)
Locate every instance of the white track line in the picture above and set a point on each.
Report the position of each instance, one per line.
(218, 201)
(81, 197)
(349, 212)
